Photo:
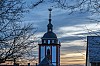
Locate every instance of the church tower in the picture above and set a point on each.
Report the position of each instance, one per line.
(50, 47)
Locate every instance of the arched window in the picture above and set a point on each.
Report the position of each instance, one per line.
(48, 41)
(53, 41)
(44, 41)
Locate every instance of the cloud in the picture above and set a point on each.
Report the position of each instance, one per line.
(97, 33)
(74, 65)
(71, 38)
(73, 49)
(72, 58)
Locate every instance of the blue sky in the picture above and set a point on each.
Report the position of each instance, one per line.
(70, 29)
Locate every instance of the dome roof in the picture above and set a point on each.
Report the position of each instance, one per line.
(49, 35)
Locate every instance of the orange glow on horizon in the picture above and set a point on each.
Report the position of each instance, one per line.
(72, 58)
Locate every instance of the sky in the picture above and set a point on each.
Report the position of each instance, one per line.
(71, 30)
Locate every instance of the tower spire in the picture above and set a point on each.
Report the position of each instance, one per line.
(50, 26)
(50, 15)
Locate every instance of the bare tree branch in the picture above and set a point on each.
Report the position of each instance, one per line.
(14, 35)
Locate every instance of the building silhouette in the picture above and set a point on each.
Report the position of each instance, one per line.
(93, 51)
(49, 50)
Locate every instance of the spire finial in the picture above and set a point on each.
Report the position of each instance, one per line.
(50, 25)
(50, 15)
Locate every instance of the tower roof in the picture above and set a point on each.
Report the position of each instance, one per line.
(45, 62)
(49, 33)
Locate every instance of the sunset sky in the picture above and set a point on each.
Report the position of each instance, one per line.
(71, 30)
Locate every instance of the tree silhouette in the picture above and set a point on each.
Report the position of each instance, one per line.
(14, 35)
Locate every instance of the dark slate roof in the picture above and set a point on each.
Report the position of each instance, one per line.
(49, 35)
(45, 62)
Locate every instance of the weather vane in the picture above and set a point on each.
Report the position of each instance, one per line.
(50, 15)
(50, 9)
